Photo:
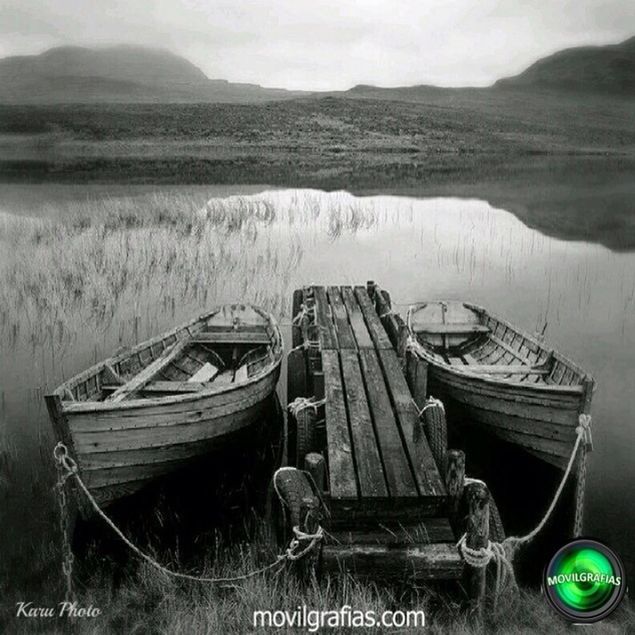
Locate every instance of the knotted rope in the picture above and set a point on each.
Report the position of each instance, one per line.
(307, 344)
(304, 311)
(503, 553)
(67, 463)
(431, 402)
(302, 403)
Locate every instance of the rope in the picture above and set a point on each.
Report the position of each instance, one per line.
(304, 311)
(308, 344)
(302, 403)
(503, 552)
(68, 463)
(431, 402)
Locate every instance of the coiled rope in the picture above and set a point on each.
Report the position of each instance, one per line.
(292, 553)
(503, 552)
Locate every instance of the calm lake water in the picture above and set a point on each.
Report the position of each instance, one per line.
(272, 242)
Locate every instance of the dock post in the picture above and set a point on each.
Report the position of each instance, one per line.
(477, 537)
(417, 377)
(315, 465)
(309, 523)
(455, 480)
(370, 289)
(435, 426)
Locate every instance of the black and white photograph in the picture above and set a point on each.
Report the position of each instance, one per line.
(317, 316)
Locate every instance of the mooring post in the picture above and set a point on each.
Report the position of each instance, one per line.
(477, 537)
(315, 465)
(309, 523)
(435, 426)
(417, 377)
(370, 289)
(455, 480)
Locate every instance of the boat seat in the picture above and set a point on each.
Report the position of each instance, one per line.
(501, 369)
(232, 337)
(450, 329)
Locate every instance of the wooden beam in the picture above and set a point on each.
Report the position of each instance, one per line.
(342, 481)
(344, 331)
(356, 319)
(425, 469)
(326, 328)
(502, 369)
(145, 376)
(401, 483)
(232, 337)
(419, 562)
(434, 328)
(375, 327)
(166, 387)
(365, 451)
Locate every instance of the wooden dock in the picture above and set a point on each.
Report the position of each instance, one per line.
(364, 442)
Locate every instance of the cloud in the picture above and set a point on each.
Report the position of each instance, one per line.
(327, 44)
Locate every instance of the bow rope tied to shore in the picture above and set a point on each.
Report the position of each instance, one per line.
(503, 553)
(295, 550)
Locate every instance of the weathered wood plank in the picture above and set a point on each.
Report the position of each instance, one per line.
(429, 530)
(344, 331)
(505, 369)
(425, 469)
(165, 387)
(356, 318)
(396, 465)
(342, 481)
(326, 329)
(434, 328)
(144, 377)
(421, 562)
(365, 451)
(377, 332)
(256, 338)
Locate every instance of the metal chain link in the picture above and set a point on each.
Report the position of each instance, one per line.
(580, 492)
(67, 552)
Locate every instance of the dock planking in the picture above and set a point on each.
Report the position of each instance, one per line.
(343, 482)
(377, 453)
(366, 453)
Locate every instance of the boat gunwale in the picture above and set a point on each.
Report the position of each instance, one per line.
(577, 389)
(72, 407)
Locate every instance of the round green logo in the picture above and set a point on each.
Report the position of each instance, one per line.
(585, 581)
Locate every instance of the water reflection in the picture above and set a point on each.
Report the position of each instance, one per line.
(80, 281)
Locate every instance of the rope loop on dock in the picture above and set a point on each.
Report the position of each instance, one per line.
(302, 403)
(306, 345)
(294, 551)
(431, 402)
(305, 311)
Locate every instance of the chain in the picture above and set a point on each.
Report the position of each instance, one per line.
(295, 551)
(579, 493)
(67, 552)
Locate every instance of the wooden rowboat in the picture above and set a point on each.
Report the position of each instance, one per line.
(148, 411)
(500, 378)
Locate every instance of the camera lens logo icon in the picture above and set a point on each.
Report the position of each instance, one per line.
(585, 581)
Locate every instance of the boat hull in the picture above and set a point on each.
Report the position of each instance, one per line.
(543, 424)
(124, 431)
(121, 450)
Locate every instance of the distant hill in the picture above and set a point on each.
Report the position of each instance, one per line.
(123, 73)
(609, 69)
(590, 69)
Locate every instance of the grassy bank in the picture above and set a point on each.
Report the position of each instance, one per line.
(330, 142)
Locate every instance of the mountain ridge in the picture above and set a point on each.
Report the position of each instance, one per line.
(126, 73)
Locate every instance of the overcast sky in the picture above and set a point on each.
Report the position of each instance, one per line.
(327, 44)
